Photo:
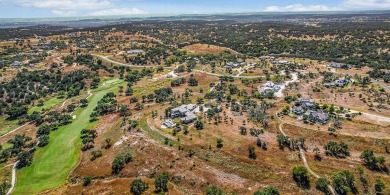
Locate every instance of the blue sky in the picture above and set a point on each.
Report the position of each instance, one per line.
(60, 8)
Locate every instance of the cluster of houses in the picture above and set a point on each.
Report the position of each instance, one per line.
(194, 58)
(339, 65)
(267, 57)
(86, 45)
(42, 46)
(269, 87)
(235, 64)
(340, 82)
(281, 62)
(307, 109)
(135, 51)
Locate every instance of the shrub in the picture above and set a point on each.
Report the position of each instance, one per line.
(270, 190)
(138, 187)
(87, 180)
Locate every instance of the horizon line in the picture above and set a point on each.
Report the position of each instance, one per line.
(146, 15)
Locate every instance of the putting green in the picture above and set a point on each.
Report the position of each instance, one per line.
(53, 163)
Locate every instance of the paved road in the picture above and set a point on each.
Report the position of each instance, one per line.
(123, 64)
(219, 75)
(201, 71)
(383, 85)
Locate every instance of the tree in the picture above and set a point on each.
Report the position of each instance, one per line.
(15, 112)
(185, 129)
(117, 164)
(363, 179)
(371, 161)
(138, 106)
(379, 186)
(322, 185)
(124, 110)
(161, 182)
(259, 114)
(96, 154)
(4, 187)
(25, 159)
(36, 117)
(128, 157)
(343, 182)
(43, 140)
(264, 146)
(219, 143)
(333, 148)
(301, 176)
(87, 180)
(70, 108)
(138, 187)
(214, 190)
(129, 91)
(108, 143)
(83, 103)
(270, 190)
(133, 100)
(192, 81)
(258, 142)
(243, 130)
(366, 81)
(317, 153)
(251, 151)
(199, 124)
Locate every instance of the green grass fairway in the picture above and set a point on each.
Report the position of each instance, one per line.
(112, 81)
(47, 105)
(53, 163)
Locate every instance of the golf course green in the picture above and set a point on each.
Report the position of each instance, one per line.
(53, 163)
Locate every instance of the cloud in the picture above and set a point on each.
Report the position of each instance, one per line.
(63, 13)
(117, 11)
(77, 7)
(367, 4)
(301, 8)
(62, 4)
(345, 5)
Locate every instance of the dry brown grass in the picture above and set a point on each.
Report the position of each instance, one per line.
(228, 167)
(206, 49)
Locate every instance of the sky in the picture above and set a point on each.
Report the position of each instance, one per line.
(66, 8)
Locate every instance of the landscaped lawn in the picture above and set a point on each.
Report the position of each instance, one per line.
(53, 163)
(47, 105)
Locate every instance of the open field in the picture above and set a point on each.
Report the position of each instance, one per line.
(53, 163)
(206, 49)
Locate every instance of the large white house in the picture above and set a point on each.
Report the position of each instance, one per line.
(269, 87)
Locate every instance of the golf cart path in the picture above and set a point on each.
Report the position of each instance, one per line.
(13, 181)
(303, 157)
